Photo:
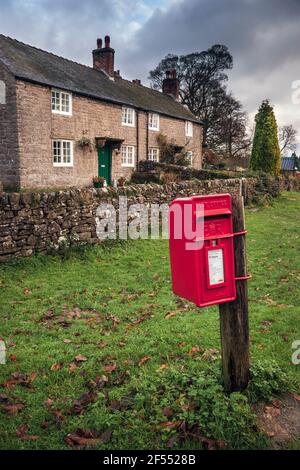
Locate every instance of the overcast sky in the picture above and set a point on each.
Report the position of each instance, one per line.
(262, 35)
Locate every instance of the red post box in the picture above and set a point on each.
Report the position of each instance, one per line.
(202, 260)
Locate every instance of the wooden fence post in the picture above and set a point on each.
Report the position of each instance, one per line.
(234, 315)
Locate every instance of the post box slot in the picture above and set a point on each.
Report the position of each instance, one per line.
(213, 212)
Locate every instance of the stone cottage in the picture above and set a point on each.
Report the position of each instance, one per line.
(62, 123)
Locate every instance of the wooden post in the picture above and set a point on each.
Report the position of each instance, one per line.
(234, 315)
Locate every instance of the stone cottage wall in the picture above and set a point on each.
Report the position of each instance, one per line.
(33, 222)
(38, 126)
(9, 156)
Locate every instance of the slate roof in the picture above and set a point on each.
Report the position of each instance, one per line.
(290, 164)
(35, 65)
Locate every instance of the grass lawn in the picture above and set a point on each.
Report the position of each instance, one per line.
(98, 346)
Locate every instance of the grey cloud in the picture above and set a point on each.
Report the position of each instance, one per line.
(263, 36)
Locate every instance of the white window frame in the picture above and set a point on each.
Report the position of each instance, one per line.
(190, 156)
(126, 164)
(59, 111)
(188, 129)
(150, 154)
(63, 164)
(151, 127)
(125, 122)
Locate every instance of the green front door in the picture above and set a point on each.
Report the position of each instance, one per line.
(104, 163)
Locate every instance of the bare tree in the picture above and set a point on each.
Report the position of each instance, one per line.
(287, 138)
(203, 77)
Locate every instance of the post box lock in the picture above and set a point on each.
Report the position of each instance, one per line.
(205, 274)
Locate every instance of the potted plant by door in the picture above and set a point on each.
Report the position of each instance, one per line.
(99, 181)
(122, 181)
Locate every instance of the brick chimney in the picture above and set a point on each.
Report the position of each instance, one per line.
(104, 57)
(171, 84)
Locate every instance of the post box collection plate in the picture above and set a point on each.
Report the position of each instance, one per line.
(205, 276)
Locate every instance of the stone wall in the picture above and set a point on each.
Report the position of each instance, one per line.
(33, 222)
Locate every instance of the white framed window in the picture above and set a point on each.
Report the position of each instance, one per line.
(188, 129)
(127, 153)
(189, 157)
(154, 122)
(128, 117)
(61, 102)
(62, 152)
(153, 154)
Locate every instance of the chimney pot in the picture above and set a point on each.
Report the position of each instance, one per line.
(104, 57)
(171, 84)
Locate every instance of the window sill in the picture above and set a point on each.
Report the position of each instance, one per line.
(63, 165)
(60, 113)
(128, 125)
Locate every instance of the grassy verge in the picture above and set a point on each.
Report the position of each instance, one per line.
(98, 343)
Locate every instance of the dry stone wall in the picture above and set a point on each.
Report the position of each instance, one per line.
(35, 222)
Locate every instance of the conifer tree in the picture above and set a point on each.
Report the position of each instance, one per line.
(265, 150)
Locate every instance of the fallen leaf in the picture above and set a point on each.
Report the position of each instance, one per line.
(59, 418)
(13, 357)
(45, 424)
(48, 315)
(72, 367)
(271, 411)
(98, 383)
(170, 315)
(48, 402)
(110, 368)
(55, 366)
(83, 401)
(210, 355)
(18, 378)
(80, 358)
(144, 360)
(67, 341)
(13, 409)
(88, 438)
(171, 424)
(22, 433)
(194, 350)
(27, 291)
(163, 367)
(266, 323)
(4, 398)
